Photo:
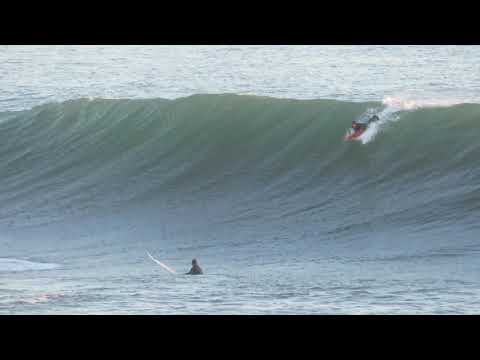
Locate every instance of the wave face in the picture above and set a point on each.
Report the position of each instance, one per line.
(249, 160)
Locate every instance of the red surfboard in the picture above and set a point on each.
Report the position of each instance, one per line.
(355, 135)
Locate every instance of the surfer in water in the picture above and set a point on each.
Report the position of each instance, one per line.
(358, 126)
(195, 270)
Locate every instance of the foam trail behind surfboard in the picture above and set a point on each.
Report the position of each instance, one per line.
(170, 270)
(386, 115)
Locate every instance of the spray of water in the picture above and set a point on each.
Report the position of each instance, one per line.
(386, 115)
(391, 110)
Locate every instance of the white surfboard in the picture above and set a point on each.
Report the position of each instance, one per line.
(170, 270)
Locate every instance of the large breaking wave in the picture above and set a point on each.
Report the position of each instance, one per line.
(254, 158)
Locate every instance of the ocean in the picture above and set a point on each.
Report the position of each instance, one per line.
(234, 155)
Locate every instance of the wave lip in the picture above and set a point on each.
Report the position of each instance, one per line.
(407, 103)
(16, 265)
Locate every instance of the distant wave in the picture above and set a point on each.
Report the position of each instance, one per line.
(14, 265)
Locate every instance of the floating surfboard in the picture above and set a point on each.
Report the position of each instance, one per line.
(170, 270)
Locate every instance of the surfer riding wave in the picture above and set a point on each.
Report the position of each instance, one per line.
(360, 127)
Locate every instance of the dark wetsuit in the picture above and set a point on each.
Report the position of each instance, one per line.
(373, 118)
(363, 126)
(195, 270)
(359, 127)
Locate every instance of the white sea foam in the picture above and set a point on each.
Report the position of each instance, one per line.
(400, 103)
(388, 114)
(394, 105)
(11, 265)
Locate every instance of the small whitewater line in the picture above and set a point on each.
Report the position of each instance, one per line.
(15, 265)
